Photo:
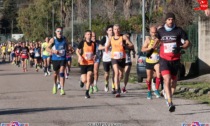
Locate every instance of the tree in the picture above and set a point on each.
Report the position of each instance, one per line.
(9, 15)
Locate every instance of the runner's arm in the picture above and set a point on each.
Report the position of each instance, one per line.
(108, 45)
(145, 47)
(102, 44)
(184, 36)
(128, 42)
(49, 47)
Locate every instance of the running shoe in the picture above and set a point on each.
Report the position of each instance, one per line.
(157, 94)
(113, 91)
(113, 85)
(66, 77)
(81, 84)
(48, 72)
(87, 95)
(37, 70)
(54, 91)
(95, 88)
(149, 95)
(117, 95)
(58, 85)
(45, 74)
(171, 107)
(106, 88)
(124, 90)
(62, 92)
(91, 90)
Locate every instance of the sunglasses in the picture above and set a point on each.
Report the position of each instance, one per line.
(58, 31)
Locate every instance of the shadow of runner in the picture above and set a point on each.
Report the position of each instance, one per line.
(32, 110)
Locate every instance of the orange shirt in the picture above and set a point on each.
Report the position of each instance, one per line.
(88, 54)
(118, 51)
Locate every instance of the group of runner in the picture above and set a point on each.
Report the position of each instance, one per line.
(163, 49)
(114, 51)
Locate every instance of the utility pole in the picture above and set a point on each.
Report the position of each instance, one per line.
(61, 13)
(143, 21)
(53, 21)
(90, 14)
(72, 23)
(12, 29)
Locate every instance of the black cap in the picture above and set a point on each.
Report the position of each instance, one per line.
(170, 15)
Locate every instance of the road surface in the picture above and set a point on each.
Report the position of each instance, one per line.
(27, 98)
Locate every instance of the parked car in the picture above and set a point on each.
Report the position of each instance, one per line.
(141, 66)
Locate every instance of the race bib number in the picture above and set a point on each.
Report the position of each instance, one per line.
(168, 47)
(37, 54)
(88, 55)
(155, 57)
(118, 55)
(128, 58)
(31, 51)
(18, 51)
(62, 52)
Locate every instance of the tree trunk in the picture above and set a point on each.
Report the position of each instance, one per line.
(111, 8)
(127, 8)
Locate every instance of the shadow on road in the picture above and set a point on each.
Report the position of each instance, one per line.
(33, 110)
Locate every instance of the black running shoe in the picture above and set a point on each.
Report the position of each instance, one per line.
(171, 107)
(87, 95)
(81, 84)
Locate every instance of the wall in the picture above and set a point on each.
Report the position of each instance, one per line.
(204, 46)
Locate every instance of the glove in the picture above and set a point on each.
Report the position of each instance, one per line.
(177, 50)
(150, 53)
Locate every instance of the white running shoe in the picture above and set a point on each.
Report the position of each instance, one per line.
(66, 77)
(58, 85)
(45, 74)
(106, 88)
(48, 72)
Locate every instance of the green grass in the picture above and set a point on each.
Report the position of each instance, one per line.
(195, 85)
(74, 61)
(202, 98)
(132, 78)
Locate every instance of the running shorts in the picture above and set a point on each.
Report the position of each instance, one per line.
(107, 66)
(150, 66)
(86, 68)
(120, 62)
(68, 59)
(45, 57)
(169, 67)
(57, 64)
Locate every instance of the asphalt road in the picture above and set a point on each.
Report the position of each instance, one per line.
(27, 98)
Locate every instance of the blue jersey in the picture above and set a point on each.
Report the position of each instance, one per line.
(61, 47)
(37, 52)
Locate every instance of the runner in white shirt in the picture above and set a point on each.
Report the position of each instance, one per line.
(106, 58)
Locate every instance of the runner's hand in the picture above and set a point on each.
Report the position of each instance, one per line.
(150, 52)
(177, 50)
(80, 59)
(55, 52)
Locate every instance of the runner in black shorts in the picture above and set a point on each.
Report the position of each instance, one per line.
(128, 64)
(152, 62)
(106, 58)
(117, 42)
(170, 37)
(86, 53)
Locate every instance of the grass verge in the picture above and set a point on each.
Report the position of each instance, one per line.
(201, 95)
